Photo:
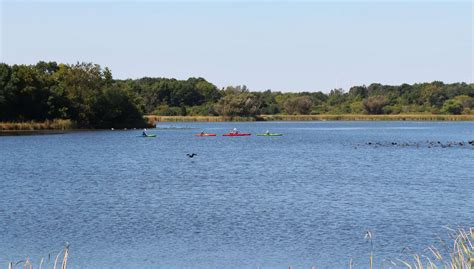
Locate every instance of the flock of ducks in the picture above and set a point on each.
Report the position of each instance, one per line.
(429, 144)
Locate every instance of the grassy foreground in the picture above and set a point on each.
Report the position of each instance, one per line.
(457, 253)
(60, 261)
(322, 117)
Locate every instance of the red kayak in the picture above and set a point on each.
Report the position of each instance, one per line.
(237, 134)
(205, 135)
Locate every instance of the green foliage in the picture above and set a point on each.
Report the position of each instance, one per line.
(90, 97)
(174, 93)
(166, 110)
(115, 108)
(452, 107)
(395, 109)
(299, 105)
(336, 97)
(238, 104)
(467, 102)
(83, 93)
(206, 109)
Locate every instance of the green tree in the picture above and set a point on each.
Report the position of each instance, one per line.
(83, 84)
(299, 105)
(465, 101)
(115, 108)
(5, 73)
(238, 104)
(452, 107)
(374, 104)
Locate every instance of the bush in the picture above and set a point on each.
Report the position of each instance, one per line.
(270, 109)
(375, 104)
(165, 110)
(299, 105)
(465, 101)
(452, 107)
(202, 110)
(397, 109)
(356, 108)
(238, 104)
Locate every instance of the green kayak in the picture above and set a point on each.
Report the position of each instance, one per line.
(269, 134)
(148, 135)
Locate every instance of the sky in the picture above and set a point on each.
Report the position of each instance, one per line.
(278, 45)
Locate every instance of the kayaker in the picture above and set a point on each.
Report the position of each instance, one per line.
(235, 131)
(144, 133)
(267, 132)
(202, 133)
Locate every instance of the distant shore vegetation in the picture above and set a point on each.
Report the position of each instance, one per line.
(89, 97)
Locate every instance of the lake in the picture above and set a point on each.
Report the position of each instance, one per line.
(306, 198)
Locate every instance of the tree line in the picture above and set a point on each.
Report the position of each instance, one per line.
(91, 97)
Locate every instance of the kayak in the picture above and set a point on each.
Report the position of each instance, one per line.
(269, 134)
(205, 135)
(239, 134)
(148, 135)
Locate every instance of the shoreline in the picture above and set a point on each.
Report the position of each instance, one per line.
(63, 126)
(321, 117)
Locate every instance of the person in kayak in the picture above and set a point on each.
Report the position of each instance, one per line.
(267, 132)
(203, 133)
(144, 133)
(234, 131)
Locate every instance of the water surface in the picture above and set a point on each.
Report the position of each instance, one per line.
(305, 198)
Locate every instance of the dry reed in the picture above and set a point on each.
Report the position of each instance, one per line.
(323, 117)
(35, 125)
(458, 254)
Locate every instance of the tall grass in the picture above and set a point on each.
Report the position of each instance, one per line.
(361, 117)
(324, 117)
(35, 125)
(61, 124)
(456, 253)
(60, 261)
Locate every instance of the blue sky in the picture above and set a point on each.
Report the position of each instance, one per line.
(286, 45)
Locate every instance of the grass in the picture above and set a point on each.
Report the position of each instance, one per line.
(458, 253)
(153, 118)
(60, 261)
(362, 117)
(61, 124)
(36, 126)
(322, 117)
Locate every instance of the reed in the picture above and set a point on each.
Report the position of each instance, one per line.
(58, 124)
(61, 257)
(64, 124)
(456, 254)
(361, 117)
(322, 117)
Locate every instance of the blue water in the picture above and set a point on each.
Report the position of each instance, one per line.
(303, 199)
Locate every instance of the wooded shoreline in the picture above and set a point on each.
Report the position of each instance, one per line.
(68, 125)
(52, 96)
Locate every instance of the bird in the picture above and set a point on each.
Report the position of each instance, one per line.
(191, 155)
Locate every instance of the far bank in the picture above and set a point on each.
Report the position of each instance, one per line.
(323, 117)
(151, 120)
